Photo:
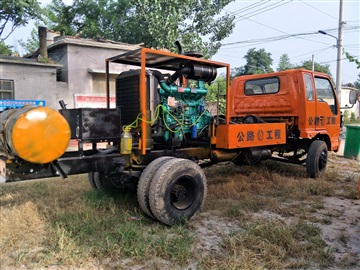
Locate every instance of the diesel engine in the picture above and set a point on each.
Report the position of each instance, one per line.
(176, 110)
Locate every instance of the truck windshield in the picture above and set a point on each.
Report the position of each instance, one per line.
(325, 93)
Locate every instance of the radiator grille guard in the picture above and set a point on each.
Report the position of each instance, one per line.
(128, 94)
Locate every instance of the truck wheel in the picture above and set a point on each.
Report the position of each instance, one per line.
(109, 183)
(316, 159)
(145, 181)
(91, 180)
(177, 191)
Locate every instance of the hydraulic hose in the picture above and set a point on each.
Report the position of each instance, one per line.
(182, 71)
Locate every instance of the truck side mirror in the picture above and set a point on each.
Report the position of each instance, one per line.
(353, 97)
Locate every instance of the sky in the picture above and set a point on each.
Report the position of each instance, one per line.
(260, 22)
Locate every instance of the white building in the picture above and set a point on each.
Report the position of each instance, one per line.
(75, 74)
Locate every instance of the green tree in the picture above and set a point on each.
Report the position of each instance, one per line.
(5, 49)
(352, 58)
(284, 62)
(257, 62)
(353, 116)
(32, 43)
(158, 23)
(62, 18)
(317, 67)
(357, 83)
(236, 71)
(16, 13)
(217, 91)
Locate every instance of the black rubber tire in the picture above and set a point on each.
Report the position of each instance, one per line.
(103, 181)
(316, 160)
(145, 182)
(177, 191)
(91, 180)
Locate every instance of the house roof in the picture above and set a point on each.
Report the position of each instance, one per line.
(26, 61)
(99, 42)
(345, 87)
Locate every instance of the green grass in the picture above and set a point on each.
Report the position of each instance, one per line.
(86, 226)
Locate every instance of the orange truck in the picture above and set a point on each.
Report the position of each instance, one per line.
(302, 100)
(161, 134)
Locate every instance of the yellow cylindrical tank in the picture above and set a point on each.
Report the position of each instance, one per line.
(35, 134)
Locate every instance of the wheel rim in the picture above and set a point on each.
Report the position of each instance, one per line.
(322, 160)
(115, 180)
(183, 193)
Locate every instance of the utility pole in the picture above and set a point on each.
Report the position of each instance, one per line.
(339, 52)
(312, 63)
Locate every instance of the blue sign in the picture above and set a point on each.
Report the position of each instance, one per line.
(16, 104)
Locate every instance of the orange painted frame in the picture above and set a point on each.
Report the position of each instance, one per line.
(142, 62)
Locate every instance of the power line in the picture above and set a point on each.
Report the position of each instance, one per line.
(259, 8)
(257, 4)
(317, 52)
(259, 11)
(331, 61)
(248, 18)
(270, 39)
(267, 8)
(313, 52)
(276, 38)
(318, 9)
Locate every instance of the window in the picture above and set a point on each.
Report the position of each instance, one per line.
(262, 86)
(58, 75)
(6, 89)
(309, 87)
(325, 93)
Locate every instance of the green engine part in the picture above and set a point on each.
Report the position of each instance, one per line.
(183, 110)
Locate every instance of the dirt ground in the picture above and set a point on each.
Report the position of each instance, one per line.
(343, 234)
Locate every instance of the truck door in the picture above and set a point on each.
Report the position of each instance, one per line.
(326, 107)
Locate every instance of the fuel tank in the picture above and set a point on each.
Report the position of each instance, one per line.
(36, 134)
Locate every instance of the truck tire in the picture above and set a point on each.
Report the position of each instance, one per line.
(145, 181)
(316, 160)
(91, 180)
(99, 180)
(177, 191)
(102, 180)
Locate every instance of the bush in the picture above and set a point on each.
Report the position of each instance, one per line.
(353, 116)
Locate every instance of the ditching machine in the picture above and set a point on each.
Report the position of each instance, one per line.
(161, 133)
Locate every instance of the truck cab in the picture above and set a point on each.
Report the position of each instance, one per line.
(304, 99)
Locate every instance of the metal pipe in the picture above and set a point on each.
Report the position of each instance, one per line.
(107, 79)
(143, 102)
(172, 89)
(42, 41)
